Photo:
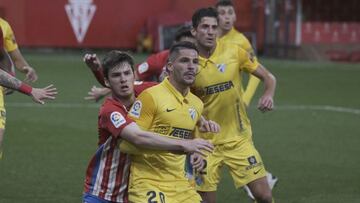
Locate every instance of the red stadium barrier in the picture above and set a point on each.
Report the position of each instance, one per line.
(106, 24)
(330, 33)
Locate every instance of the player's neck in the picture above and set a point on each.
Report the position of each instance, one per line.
(183, 89)
(206, 52)
(223, 32)
(126, 101)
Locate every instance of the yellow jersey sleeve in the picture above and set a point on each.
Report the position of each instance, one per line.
(143, 116)
(247, 46)
(9, 37)
(248, 61)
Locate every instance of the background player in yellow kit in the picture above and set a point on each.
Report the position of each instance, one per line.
(169, 109)
(20, 63)
(218, 85)
(228, 34)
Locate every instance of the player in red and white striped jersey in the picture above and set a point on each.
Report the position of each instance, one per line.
(107, 173)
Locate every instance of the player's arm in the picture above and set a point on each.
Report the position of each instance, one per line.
(39, 95)
(130, 148)
(19, 61)
(22, 65)
(143, 139)
(93, 62)
(152, 67)
(97, 93)
(250, 64)
(266, 102)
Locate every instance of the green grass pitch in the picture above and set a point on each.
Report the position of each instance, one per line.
(311, 141)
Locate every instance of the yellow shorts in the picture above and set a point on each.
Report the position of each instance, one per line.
(2, 109)
(241, 158)
(151, 192)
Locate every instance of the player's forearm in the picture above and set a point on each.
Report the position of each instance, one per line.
(270, 84)
(155, 141)
(99, 76)
(11, 82)
(268, 79)
(19, 60)
(129, 148)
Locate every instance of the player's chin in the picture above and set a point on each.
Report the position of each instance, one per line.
(209, 44)
(189, 80)
(126, 93)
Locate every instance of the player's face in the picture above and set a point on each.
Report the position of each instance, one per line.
(205, 32)
(183, 69)
(121, 80)
(227, 17)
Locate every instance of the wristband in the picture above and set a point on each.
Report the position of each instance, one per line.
(26, 89)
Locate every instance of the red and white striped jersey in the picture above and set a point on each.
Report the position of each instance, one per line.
(108, 171)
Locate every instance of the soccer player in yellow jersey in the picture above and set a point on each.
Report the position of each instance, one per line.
(20, 63)
(169, 109)
(228, 34)
(218, 85)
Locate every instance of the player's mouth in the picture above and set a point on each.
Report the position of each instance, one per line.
(210, 39)
(189, 75)
(124, 87)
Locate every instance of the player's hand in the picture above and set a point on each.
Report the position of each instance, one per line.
(92, 61)
(97, 93)
(266, 103)
(208, 126)
(31, 75)
(39, 95)
(197, 162)
(199, 146)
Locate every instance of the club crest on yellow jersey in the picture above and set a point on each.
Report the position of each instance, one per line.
(192, 113)
(221, 67)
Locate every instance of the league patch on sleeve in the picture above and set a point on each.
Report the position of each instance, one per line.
(117, 119)
(136, 109)
(142, 68)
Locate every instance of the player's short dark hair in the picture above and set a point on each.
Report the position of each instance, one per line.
(175, 48)
(183, 31)
(114, 58)
(201, 13)
(224, 3)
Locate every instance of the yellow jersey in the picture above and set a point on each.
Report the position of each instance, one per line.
(234, 36)
(9, 37)
(163, 110)
(218, 85)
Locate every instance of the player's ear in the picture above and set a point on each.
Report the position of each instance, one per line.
(193, 31)
(107, 84)
(169, 66)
